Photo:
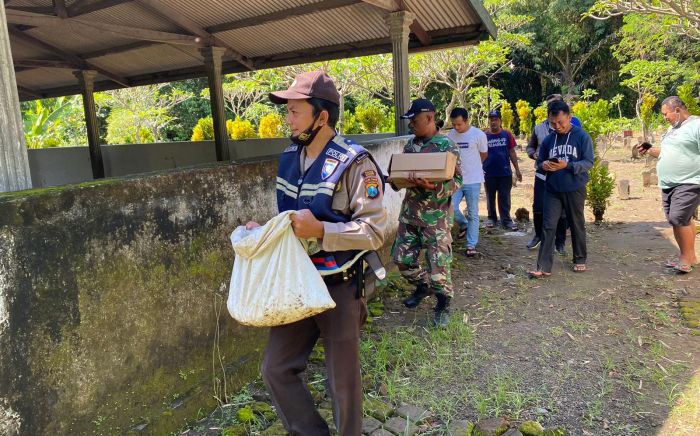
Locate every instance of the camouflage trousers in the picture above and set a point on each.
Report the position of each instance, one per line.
(437, 242)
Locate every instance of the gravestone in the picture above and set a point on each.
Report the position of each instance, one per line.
(624, 189)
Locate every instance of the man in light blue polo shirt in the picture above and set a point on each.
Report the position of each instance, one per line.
(678, 170)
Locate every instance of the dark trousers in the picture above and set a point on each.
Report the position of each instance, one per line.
(538, 214)
(287, 354)
(554, 203)
(502, 187)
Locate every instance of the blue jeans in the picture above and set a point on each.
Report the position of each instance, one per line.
(470, 192)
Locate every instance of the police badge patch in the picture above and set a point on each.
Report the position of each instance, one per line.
(371, 185)
(329, 167)
(371, 190)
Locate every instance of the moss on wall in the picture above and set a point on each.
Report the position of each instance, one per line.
(115, 296)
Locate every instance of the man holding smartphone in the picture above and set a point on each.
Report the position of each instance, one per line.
(678, 169)
(541, 131)
(565, 156)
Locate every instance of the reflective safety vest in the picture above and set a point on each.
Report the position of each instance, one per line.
(313, 189)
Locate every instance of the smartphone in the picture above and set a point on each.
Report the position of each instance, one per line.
(645, 145)
(554, 160)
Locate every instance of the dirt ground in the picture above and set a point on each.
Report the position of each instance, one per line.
(605, 352)
(601, 352)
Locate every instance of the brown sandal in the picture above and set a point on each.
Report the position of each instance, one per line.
(579, 268)
(538, 274)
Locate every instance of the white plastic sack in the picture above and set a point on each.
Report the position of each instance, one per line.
(274, 281)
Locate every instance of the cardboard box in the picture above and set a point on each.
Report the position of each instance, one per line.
(434, 167)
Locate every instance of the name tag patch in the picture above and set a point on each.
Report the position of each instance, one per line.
(337, 155)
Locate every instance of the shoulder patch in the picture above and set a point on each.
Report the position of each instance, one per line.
(361, 158)
(369, 173)
(328, 168)
(290, 149)
(337, 155)
(371, 187)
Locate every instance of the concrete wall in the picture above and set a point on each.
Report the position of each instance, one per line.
(66, 165)
(112, 298)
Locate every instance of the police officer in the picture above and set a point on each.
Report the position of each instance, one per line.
(426, 218)
(337, 189)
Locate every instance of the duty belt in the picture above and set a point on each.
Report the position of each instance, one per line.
(357, 272)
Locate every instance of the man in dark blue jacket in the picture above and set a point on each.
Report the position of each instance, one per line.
(565, 156)
(541, 131)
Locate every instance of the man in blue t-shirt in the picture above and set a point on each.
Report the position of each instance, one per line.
(565, 156)
(498, 177)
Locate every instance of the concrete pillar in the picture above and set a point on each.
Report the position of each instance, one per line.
(87, 84)
(14, 163)
(212, 63)
(398, 30)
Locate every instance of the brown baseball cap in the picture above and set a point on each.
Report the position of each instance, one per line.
(315, 84)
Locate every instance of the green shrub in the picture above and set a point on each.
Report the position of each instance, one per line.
(599, 189)
(203, 130)
(371, 115)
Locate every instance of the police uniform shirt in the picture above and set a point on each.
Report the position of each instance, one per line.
(359, 195)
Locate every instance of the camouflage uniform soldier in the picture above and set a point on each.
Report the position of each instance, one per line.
(426, 218)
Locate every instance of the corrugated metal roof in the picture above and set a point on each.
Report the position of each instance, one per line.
(331, 27)
(132, 14)
(149, 60)
(451, 13)
(22, 50)
(80, 41)
(334, 30)
(221, 11)
(30, 3)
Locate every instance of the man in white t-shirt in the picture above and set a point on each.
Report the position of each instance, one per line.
(473, 150)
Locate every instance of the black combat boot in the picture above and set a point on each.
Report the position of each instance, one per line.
(442, 311)
(417, 296)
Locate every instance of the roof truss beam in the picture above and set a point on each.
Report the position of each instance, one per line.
(119, 31)
(47, 10)
(43, 63)
(75, 60)
(29, 92)
(117, 49)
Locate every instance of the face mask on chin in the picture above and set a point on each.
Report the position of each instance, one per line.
(678, 122)
(307, 136)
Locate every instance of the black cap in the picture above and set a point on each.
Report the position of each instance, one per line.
(495, 114)
(419, 105)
